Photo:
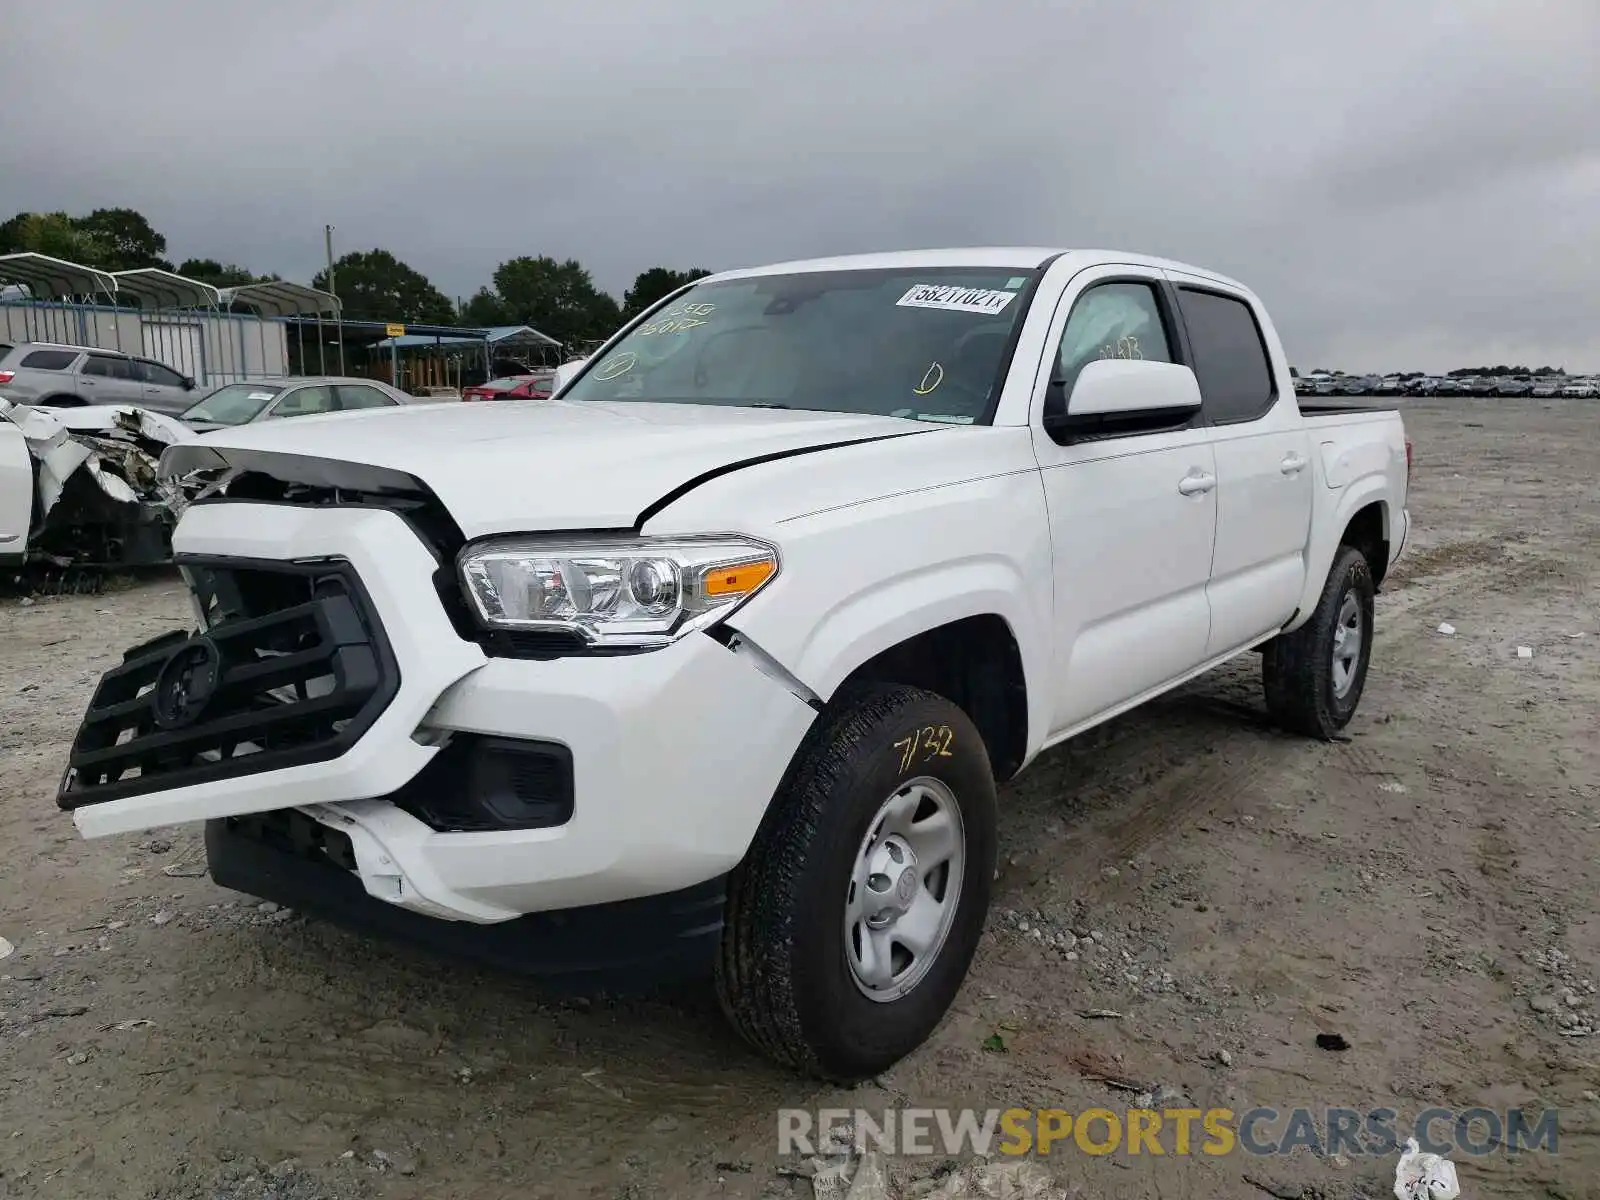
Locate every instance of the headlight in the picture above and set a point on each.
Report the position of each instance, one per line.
(614, 592)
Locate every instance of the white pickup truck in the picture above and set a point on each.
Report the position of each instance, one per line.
(715, 659)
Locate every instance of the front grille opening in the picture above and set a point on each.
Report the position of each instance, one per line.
(290, 667)
(291, 831)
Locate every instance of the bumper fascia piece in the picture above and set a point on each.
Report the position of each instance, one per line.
(675, 753)
(646, 941)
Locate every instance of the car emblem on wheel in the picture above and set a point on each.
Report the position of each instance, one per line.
(186, 683)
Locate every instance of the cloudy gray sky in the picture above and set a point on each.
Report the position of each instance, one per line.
(1407, 184)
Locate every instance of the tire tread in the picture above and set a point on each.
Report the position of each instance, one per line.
(1296, 668)
(754, 971)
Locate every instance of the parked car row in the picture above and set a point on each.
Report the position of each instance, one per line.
(1539, 386)
(48, 375)
(62, 376)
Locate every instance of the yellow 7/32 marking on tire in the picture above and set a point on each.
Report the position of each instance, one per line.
(919, 746)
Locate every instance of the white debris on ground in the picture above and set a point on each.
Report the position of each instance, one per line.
(869, 1179)
(117, 447)
(6, 948)
(1524, 651)
(1419, 1176)
(1446, 628)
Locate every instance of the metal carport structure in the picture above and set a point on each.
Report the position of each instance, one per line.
(495, 339)
(50, 282)
(280, 299)
(168, 304)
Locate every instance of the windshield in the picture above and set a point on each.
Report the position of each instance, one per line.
(921, 343)
(235, 404)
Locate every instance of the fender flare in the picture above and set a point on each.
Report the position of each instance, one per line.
(889, 611)
(1325, 544)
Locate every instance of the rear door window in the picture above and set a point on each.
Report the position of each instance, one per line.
(107, 368)
(50, 360)
(1229, 356)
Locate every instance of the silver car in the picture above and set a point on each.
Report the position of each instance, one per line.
(63, 376)
(269, 399)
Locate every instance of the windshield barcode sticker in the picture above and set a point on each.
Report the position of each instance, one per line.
(956, 299)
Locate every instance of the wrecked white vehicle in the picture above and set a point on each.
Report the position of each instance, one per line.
(79, 488)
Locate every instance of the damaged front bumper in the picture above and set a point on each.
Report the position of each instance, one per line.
(655, 768)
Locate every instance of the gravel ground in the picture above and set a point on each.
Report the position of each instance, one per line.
(1423, 890)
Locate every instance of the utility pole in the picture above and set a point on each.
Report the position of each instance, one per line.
(327, 241)
(327, 236)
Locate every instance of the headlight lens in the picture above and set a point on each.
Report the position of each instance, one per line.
(639, 592)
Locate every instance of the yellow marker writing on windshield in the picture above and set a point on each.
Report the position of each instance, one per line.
(931, 380)
(619, 365)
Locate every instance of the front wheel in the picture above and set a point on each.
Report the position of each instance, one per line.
(1314, 676)
(854, 917)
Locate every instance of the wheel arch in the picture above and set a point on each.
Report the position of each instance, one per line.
(1363, 519)
(976, 663)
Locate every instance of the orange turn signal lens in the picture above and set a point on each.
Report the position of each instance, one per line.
(738, 579)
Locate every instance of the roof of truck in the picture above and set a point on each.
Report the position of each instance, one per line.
(1014, 257)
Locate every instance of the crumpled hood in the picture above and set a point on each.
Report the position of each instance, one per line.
(501, 468)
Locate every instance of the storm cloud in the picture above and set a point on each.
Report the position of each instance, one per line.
(1408, 185)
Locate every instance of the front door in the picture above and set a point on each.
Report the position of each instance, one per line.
(1132, 517)
(164, 389)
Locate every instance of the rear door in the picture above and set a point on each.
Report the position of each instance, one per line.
(1264, 472)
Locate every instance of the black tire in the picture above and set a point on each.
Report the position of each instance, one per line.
(1297, 668)
(64, 402)
(783, 977)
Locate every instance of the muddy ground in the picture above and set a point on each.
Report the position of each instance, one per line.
(1425, 891)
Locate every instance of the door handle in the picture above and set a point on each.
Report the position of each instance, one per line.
(1294, 464)
(1197, 485)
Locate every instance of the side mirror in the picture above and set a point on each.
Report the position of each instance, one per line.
(188, 384)
(1121, 395)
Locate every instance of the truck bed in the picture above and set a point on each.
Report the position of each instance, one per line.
(1310, 407)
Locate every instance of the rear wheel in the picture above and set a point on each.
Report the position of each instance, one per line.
(853, 919)
(1314, 676)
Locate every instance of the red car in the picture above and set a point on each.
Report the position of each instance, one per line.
(513, 387)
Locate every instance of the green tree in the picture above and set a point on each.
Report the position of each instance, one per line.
(57, 235)
(556, 298)
(222, 275)
(374, 285)
(653, 284)
(112, 239)
(11, 234)
(129, 238)
(485, 309)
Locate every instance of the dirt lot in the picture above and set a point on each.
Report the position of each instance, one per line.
(1425, 890)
